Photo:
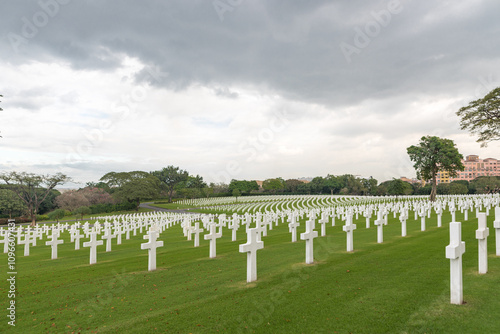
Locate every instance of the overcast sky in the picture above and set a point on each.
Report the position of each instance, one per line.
(239, 89)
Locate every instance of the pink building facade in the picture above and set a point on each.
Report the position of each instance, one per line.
(474, 167)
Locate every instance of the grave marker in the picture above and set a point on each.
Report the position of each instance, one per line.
(309, 236)
(251, 247)
(292, 226)
(496, 225)
(54, 242)
(212, 236)
(349, 227)
(93, 243)
(108, 236)
(454, 252)
(151, 246)
(197, 230)
(482, 236)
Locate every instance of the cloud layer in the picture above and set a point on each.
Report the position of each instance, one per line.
(239, 89)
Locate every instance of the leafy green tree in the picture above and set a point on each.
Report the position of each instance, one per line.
(10, 202)
(317, 184)
(57, 214)
(50, 201)
(485, 184)
(244, 186)
(398, 187)
(291, 185)
(274, 185)
(138, 188)
(351, 185)
(169, 177)
(195, 182)
(370, 185)
(33, 189)
(331, 184)
(482, 117)
(304, 188)
(115, 180)
(220, 188)
(434, 154)
(236, 193)
(82, 211)
(459, 187)
(99, 185)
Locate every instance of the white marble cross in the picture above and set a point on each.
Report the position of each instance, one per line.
(454, 252)
(466, 211)
(212, 236)
(349, 227)
(292, 226)
(54, 242)
(482, 233)
(380, 229)
(367, 217)
(108, 236)
(5, 240)
(234, 226)
(439, 212)
(251, 247)
(453, 211)
(151, 246)
(28, 240)
(127, 230)
(76, 237)
(118, 232)
(496, 225)
(309, 236)
(93, 243)
(260, 228)
(322, 222)
(402, 218)
(197, 230)
(422, 219)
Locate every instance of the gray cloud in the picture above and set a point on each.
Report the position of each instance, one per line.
(292, 49)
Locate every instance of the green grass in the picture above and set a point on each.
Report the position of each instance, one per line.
(92, 216)
(172, 206)
(400, 286)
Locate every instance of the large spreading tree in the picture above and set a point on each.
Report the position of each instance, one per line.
(32, 189)
(10, 203)
(482, 117)
(132, 186)
(169, 177)
(432, 155)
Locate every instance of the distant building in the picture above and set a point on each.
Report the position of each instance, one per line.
(474, 167)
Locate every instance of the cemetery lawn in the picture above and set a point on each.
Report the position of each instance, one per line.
(400, 286)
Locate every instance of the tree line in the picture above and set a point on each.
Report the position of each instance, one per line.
(31, 195)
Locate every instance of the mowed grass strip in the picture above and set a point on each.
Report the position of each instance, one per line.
(399, 286)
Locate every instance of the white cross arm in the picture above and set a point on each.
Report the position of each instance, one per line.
(149, 245)
(482, 234)
(496, 224)
(455, 251)
(348, 228)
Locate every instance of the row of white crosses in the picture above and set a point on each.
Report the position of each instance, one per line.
(89, 232)
(456, 249)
